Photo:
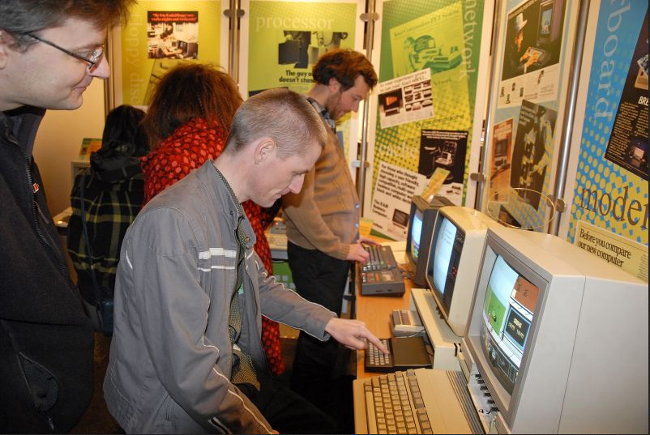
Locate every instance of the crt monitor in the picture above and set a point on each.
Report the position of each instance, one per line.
(452, 268)
(418, 237)
(559, 337)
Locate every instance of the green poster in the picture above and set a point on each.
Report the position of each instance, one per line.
(161, 34)
(286, 38)
(444, 37)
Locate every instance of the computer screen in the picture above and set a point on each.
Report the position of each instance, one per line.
(452, 268)
(415, 233)
(558, 338)
(418, 237)
(508, 312)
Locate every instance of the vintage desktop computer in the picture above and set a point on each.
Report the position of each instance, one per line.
(556, 342)
(558, 337)
(455, 247)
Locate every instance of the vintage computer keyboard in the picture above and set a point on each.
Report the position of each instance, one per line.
(405, 353)
(381, 275)
(392, 409)
(415, 401)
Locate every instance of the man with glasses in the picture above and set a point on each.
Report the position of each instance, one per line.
(50, 51)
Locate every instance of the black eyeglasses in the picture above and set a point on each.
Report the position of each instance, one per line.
(93, 60)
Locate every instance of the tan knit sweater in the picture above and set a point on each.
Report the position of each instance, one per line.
(325, 214)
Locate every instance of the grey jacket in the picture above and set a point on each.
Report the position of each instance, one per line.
(171, 356)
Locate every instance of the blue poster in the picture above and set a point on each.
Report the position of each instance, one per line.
(611, 190)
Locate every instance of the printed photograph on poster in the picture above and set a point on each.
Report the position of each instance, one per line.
(532, 150)
(447, 150)
(391, 199)
(301, 49)
(539, 86)
(172, 34)
(628, 144)
(532, 49)
(433, 41)
(157, 36)
(500, 160)
(435, 183)
(405, 99)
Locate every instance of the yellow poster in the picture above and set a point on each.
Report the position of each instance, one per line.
(159, 35)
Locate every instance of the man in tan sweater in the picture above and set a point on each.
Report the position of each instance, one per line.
(323, 219)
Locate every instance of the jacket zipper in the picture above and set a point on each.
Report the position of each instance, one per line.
(35, 211)
(254, 311)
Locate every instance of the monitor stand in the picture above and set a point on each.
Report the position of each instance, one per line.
(446, 344)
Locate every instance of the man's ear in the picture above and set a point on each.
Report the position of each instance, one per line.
(264, 150)
(334, 85)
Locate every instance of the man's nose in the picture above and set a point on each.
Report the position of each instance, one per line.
(296, 183)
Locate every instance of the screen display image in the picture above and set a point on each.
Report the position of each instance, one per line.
(507, 315)
(444, 246)
(546, 16)
(448, 248)
(416, 235)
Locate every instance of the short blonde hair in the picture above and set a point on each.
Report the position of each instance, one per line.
(282, 115)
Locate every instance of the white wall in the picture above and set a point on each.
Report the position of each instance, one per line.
(59, 139)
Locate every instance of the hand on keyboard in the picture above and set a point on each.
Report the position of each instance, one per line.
(353, 334)
(357, 253)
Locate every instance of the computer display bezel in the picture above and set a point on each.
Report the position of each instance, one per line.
(439, 294)
(429, 212)
(506, 402)
(472, 224)
(582, 371)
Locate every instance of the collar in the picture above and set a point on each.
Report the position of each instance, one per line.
(323, 113)
(243, 239)
(23, 124)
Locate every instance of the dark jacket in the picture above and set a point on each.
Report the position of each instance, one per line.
(46, 341)
(113, 196)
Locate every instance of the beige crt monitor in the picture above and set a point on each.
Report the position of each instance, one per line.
(558, 337)
(452, 270)
(454, 259)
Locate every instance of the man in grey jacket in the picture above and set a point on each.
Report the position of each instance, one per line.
(186, 355)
